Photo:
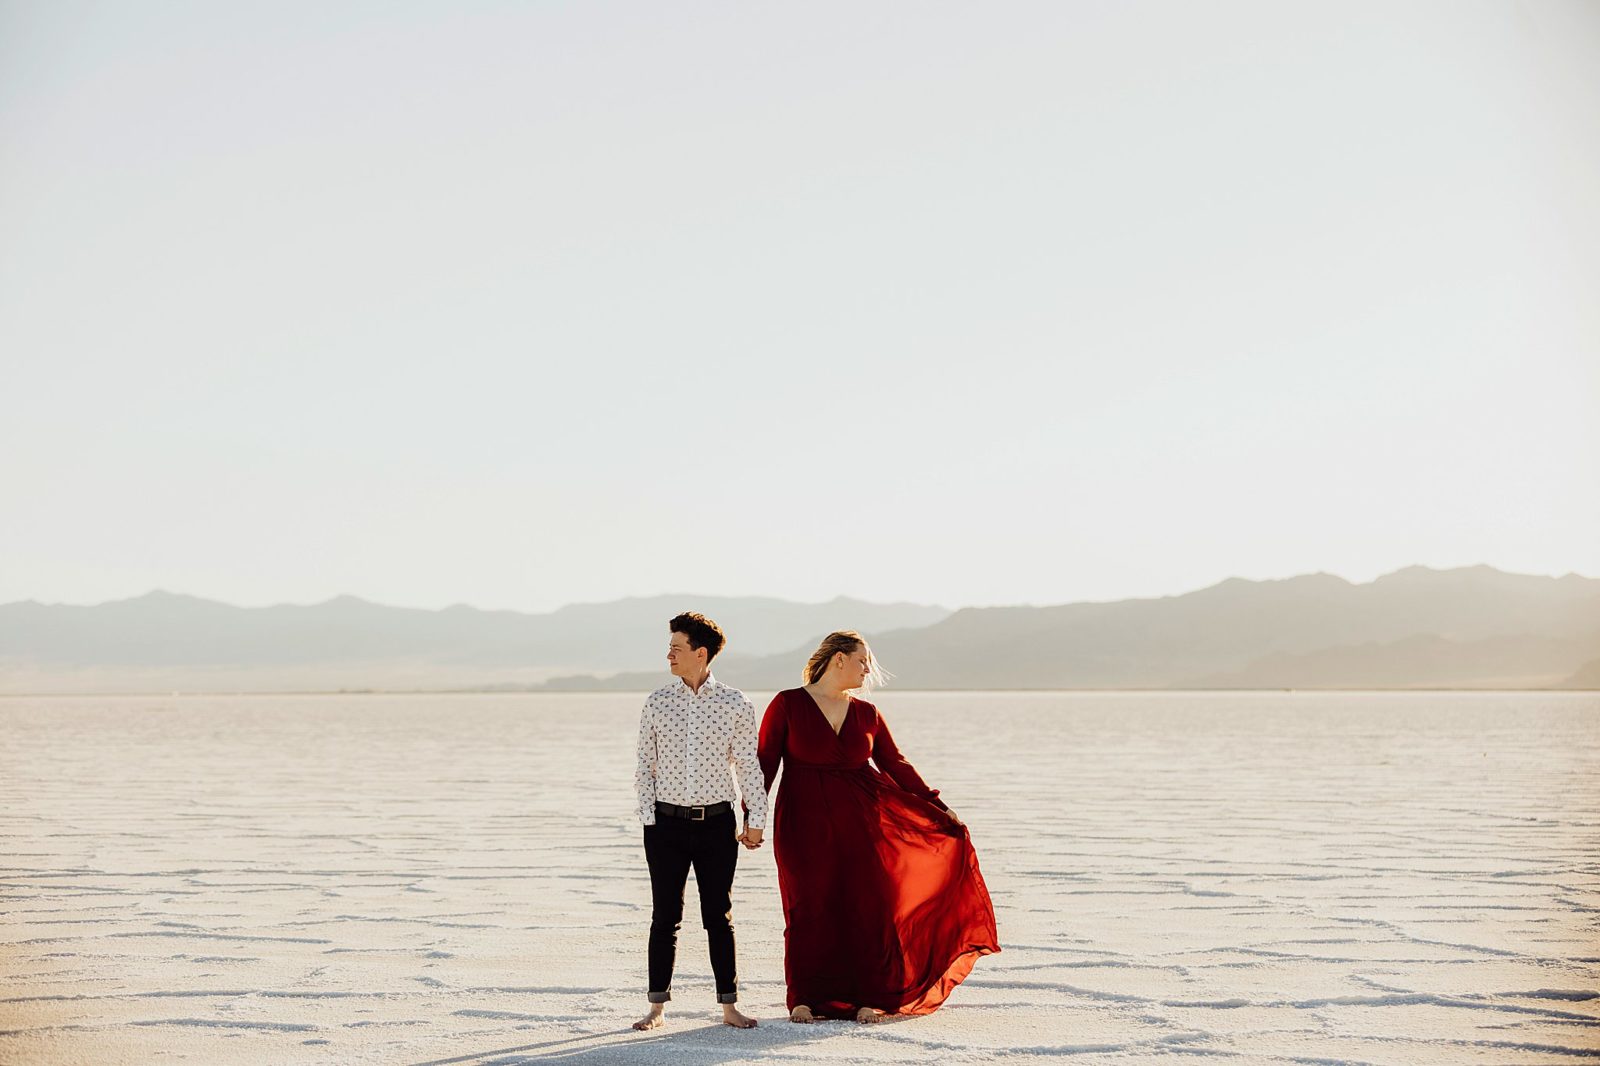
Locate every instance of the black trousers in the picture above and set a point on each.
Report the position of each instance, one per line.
(671, 847)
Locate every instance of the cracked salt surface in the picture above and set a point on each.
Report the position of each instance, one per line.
(1258, 878)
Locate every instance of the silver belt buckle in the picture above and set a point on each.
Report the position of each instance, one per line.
(699, 815)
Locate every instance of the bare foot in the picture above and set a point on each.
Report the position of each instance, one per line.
(802, 1013)
(731, 1016)
(869, 1015)
(653, 1020)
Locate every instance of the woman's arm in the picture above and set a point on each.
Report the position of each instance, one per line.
(887, 755)
(774, 735)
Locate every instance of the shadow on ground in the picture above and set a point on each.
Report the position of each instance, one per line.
(703, 1045)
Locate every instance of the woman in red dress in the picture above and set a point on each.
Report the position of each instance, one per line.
(884, 909)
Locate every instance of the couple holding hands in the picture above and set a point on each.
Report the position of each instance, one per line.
(884, 908)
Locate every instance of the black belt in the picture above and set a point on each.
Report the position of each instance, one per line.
(694, 814)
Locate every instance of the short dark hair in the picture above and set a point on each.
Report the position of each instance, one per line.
(701, 631)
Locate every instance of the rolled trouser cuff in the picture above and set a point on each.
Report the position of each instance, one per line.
(727, 997)
(659, 997)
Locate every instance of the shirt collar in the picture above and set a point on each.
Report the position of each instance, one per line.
(705, 686)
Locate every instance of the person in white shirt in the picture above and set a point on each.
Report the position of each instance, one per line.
(696, 736)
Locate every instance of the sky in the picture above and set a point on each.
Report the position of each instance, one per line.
(525, 304)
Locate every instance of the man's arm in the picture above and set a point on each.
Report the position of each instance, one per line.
(644, 773)
(747, 766)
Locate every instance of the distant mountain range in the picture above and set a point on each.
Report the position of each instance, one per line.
(162, 641)
(1474, 627)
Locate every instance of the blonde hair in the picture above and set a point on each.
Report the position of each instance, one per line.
(849, 642)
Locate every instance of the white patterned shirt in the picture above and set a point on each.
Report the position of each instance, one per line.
(691, 746)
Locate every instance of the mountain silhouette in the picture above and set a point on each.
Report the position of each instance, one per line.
(163, 640)
(1417, 627)
(1473, 627)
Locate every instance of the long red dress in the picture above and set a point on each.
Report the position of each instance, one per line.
(883, 904)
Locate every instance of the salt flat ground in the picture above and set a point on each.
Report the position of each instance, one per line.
(1254, 878)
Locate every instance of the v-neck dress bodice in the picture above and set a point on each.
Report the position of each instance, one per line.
(883, 902)
(849, 701)
(815, 743)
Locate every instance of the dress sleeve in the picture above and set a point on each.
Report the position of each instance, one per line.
(644, 772)
(774, 736)
(887, 755)
(746, 766)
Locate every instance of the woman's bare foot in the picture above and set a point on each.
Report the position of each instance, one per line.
(731, 1016)
(869, 1015)
(654, 1019)
(802, 1013)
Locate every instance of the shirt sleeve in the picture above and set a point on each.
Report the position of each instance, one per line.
(747, 766)
(774, 736)
(887, 755)
(644, 773)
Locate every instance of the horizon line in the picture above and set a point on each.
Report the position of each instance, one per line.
(345, 596)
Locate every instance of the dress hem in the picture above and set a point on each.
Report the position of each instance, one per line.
(929, 1001)
(940, 990)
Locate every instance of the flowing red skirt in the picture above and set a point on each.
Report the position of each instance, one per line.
(883, 902)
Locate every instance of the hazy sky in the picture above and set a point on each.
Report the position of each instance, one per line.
(517, 304)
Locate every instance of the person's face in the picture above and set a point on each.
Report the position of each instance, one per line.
(683, 660)
(854, 667)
